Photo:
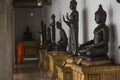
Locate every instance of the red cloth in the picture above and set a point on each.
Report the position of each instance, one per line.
(20, 51)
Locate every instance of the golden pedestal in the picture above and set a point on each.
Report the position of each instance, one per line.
(55, 59)
(64, 71)
(45, 66)
(41, 57)
(103, 72)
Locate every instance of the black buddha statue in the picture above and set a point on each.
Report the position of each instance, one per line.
(48, 40)
(27, 36)
(43, 30)
(52, 24)
(72, 22)
(48, 36)
(97, 48)
(63, 42)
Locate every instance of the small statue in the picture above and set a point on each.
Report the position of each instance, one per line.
(43, 29)
(53, 28)
(72, 22)
(27, 35)
(97, 48)
(48, 38)
(63, 42)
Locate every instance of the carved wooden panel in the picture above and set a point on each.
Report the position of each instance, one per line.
(108, 72)
(94, 77)
(111, 76)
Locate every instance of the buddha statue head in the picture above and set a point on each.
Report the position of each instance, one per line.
(100, 15)
(58, 24)
(118, 1)
(53, 17)
(73, 4)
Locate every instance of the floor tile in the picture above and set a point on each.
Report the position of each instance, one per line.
(29, 70)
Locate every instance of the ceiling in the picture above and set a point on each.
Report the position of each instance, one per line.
(31, 3)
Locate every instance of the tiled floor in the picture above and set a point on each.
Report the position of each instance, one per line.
(29, 70)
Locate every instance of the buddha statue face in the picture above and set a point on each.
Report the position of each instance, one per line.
(58, 24)
(73, 4)
(100, 15)
(99, 20)
(53, 17)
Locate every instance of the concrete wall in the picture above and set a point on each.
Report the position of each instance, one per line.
(23, 19)
(6, 40)
(86, 9)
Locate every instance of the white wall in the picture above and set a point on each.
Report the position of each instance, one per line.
(86, 9)
(23, 19)
(115, 29)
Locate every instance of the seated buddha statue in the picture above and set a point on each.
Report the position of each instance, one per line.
(63, 42)
(97, 48)
(27, 35)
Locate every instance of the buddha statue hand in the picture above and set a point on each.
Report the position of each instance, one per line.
(67, 16)
(64, 19)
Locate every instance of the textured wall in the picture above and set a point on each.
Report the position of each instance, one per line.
(6, 43)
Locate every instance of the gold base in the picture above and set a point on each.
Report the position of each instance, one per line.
(55, 59)
(106, 72)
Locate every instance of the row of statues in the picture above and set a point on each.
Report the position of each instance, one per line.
(49, 41)
(95, 49)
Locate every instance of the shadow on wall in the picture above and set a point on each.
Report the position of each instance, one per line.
(85, 22)
(113, 47)
(85, 27)
(113, 44)
(112, 40)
